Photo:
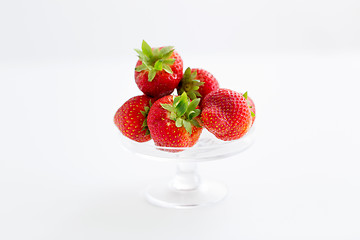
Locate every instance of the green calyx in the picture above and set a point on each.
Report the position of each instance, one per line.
(145, 114)
(245, 95)
(184, 112)
(155, 60)
(190, 84)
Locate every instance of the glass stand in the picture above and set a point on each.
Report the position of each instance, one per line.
(187, 189)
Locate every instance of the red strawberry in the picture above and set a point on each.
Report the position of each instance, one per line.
(251, 106)
(173, 122)
(226, 114)
(197, 83)
(130, 118)
(158, 70)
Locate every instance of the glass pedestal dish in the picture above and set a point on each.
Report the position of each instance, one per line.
(187, 189)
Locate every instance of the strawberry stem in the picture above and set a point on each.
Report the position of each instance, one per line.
(184, 112)
(155, 60)
(190, 84)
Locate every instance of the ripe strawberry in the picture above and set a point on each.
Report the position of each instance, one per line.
(158, 70)
(173, 122)
(130, 118)
(251, 106)
(226, 114)
(197, 83)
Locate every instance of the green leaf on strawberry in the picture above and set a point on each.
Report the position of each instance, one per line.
(168, 107)
(181, 105)
(158, 65)
(179, 122)
(166, 51)
(146, 49)
(145, 114)
(192, 108)
(155, 60)
(190, 84)
(184, 112)
(176, 100)
(151, 75)
(167, 69)
(195, 123)
(187, 126)
(245, 95)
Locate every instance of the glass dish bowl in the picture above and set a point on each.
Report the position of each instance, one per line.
(187, 189)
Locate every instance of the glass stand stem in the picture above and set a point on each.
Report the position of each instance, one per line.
(186, 190)
(186, 178)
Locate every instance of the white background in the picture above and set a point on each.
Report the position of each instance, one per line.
(66, 66)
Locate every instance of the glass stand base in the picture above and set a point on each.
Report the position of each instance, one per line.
(166, 195)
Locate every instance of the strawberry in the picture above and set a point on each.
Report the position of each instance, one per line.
(173, 122)
(158, 70)
(226, 114)
(131, 117)
(251, 105)
(197, 83)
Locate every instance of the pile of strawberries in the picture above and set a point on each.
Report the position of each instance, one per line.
(177, 121)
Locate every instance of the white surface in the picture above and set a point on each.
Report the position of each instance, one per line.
(64, 174)
(65, 68)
